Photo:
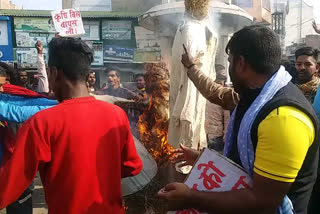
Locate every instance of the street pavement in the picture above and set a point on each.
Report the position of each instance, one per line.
(39, 204)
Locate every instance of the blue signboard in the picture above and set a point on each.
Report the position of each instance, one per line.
(6, 46)
(112, 53)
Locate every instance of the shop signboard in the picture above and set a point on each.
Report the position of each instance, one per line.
(28, 57)
(147, 56)
(112, 53)
(146, 40)
(98, 53)
(4, 40)
(26, 24)
(6, 47)
(116, 30)
(28, 39)
(92, 30)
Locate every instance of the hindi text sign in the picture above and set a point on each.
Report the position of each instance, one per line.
(68, 23)
(215, 173)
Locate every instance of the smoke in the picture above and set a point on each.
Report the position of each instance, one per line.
(215, 20)
(168, 24)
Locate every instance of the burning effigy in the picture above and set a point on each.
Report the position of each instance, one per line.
(153, 134)
(153, 123)
(172, 93)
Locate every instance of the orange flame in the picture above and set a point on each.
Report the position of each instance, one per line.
(154, 135)
(153, 123)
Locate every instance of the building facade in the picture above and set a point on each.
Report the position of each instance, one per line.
(298, 22)
(259, 9)
(116, 38)
(7, 4)
(313, 41)
(88, 5)
(6, 45)
(111, 5)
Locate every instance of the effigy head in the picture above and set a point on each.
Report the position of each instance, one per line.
(157, 77)
(198, 9)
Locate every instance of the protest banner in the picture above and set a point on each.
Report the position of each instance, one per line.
(68, 22)
(215, 173)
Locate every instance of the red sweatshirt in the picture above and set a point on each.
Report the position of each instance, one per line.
(82, 148)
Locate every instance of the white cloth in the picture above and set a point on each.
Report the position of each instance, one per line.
(43, 83)
(187, 105)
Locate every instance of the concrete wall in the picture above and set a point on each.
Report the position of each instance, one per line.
(6, 4)
(313, 41)
(293, 23)
(124, 5)
(260, 13)
(134, 5)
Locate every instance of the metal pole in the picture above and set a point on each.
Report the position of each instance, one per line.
(300, 21)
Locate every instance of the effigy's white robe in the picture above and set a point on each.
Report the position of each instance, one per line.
(187, 105)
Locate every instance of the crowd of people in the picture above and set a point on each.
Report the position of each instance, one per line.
(272, 132)
(267, 123)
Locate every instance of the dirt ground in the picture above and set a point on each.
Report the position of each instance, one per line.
(145, 201)
(39, 204)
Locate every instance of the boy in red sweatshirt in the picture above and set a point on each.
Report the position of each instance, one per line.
(81, 147)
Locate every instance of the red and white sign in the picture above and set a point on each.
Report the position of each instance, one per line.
(215, 173)
(68, 23)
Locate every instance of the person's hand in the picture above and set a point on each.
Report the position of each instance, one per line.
(186, 155)
(137, 98)
(315, 27)
(39, 47)
(187, 60)
(140, 98)
(131, 93)
(88, 87)
(175, 192)
(178, 196)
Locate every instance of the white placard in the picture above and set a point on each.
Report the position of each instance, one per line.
(215, 173)
(68, 22)
(4, 33)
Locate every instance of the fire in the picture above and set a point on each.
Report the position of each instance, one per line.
(153, 123)
(154, 134)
